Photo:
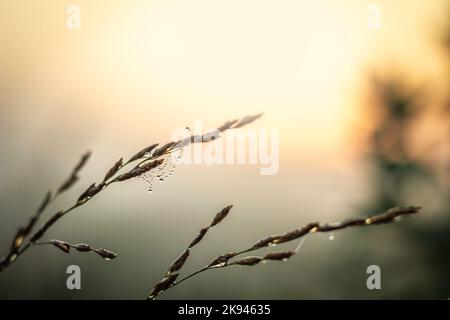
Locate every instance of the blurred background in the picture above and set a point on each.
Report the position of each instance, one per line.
(364, 125)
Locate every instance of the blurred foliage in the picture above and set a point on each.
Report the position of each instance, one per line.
(398, 171)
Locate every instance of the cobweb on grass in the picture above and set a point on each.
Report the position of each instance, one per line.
(164, 171)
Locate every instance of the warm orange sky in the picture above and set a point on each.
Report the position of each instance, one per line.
(302, 63)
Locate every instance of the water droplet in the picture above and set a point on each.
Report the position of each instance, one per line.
(161, 180)
(331, 237)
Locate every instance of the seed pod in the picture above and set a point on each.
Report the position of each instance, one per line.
(139, 170)
(84, 158)
(18, 239)
(265, 242)
(281, 255)
(248, 261)
(109, 255)
(221, 215)
(391, 214)
(199, 237)
(247, 120)
(47, 225)
(163, 150)
(116, 167)
(182, 143)
(196, 139)
(61, 245)
(211, 136)
(83, 247)
(164, 284)
(73, 178)
(353, 222)
(26, 231)
(96, 190)
(45, 202)
(85, 195)
(91, 191)
(221, 260)
(68, 183)
(297, 233)
(142, 153)
(179, 262)
(11, 258)
(227, 125)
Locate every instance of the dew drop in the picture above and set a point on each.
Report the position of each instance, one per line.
(221, 264)
(148, 178)
(331, 237)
